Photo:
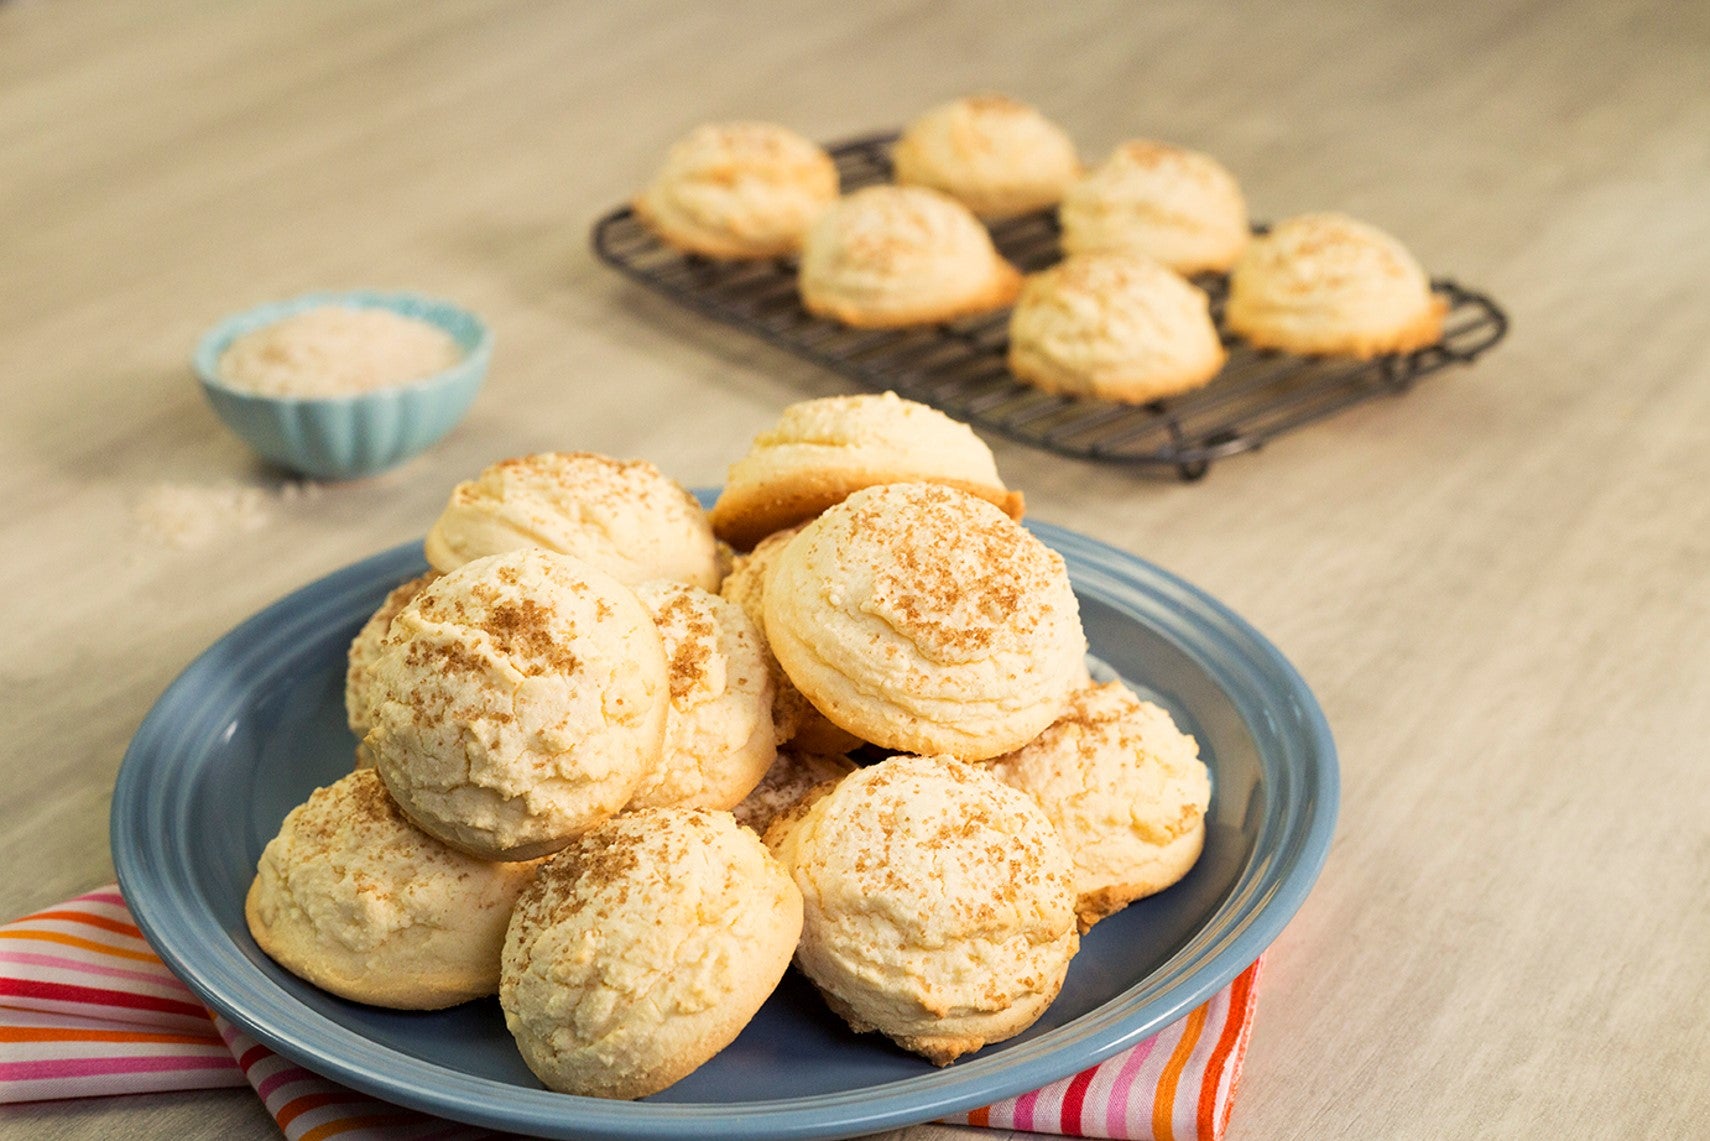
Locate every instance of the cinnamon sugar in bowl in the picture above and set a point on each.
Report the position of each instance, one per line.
(344, 385)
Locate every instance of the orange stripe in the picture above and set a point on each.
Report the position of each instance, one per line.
(1235, 1025)
(1163, 1123)
(57, 1034)
(100, 921)
(346, 1124)
(303, 1103)
(981, 1117)
(1241, 1049)
(83, 944)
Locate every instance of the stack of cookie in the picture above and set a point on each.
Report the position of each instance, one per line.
(559, 717)
(1117, 320)
(576, 730)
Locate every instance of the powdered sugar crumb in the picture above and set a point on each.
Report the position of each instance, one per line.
(191, 516)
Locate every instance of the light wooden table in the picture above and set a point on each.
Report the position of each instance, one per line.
(1499, 585)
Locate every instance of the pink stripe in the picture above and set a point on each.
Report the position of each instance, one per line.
(1116, 1114)
(92, 1067)
(1023, 1112)
(111, 897)
(286, 1077)
(108, 1085)
(160, 978)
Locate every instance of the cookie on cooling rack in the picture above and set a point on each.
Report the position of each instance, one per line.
(352, 897)
(738, 191)
(938, 904)
(1176, 206)
(517, 701)
(1327, 284)
(1115, 326)
(643, 949)
(997, 156)
(624, 517)
(1125, 789)
(718, 727)
(923, 619)
(821, 451)
(894, 256)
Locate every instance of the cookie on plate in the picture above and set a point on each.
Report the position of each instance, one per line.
(822, 450)
(923, 619)
(1125, 789)
(1327, 284)
(1113, 326)
(1173, 205)
(518, 700)
(643, 949)
(938, 904)
(791, 779)
(737, 191)
(354, 898)
(893, 256)
(365, 649)
(624, 517)
(997, 156)
(718, 727)
(794, 721)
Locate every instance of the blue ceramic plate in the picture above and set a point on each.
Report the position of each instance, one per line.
(257, 722)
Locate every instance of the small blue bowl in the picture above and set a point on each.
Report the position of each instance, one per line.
(345, 437)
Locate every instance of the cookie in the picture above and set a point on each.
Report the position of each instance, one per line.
(893, 256)
(1176, 206)
(1327, 284)
(737, 191)
(822, 450)
(365, 649)
(925, 620)
(643, 949)
(938, 904)
(794, 775)
(997, 156)
(1115, 327)
(794, 721)
(1125, 789)
(518, 700)
(355, 899)
(718, 727)
(623, 517)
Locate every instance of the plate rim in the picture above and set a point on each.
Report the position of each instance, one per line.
(159, 894)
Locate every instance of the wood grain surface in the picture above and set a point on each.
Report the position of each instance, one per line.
(1498, 585)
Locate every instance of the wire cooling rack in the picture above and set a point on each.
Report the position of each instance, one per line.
(960, 368)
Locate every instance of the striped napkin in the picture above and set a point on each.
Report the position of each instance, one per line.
(86, 1009)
